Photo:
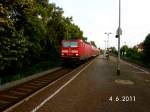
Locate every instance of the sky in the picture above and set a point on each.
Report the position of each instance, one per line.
(95, 17)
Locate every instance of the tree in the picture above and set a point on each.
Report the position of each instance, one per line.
(13, 45)
(31, 31)
(124, 50)
(113, 50)
(146, 51)
(93, 43)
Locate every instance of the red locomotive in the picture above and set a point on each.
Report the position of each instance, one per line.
(77, 50)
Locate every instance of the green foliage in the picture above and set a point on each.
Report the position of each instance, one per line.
(13, 50)
(139, 53)
(113, 50)
(131, 53)
(31, 31)
(146, 52)
(93, 43)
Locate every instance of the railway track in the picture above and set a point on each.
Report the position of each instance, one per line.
(15, 94)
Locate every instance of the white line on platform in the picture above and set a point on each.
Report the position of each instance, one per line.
(56, 92)
(42, 89)
(137, 67)
(141, 72)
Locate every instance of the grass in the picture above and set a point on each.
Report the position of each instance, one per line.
(140, 63)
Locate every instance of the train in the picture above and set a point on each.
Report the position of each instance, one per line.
(77, 50)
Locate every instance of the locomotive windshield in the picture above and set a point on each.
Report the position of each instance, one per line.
(66, 44)
(73, 44)
(70, 44)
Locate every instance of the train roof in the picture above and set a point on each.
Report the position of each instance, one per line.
(81, 40)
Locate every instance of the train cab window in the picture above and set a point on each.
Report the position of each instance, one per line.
(66, 44)
(70, 44)
(73, 44)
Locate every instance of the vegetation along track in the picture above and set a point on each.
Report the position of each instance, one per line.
(15, 94)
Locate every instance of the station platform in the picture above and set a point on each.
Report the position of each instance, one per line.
(95, 88)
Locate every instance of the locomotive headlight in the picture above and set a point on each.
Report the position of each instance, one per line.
(64, 51)
(77, 54)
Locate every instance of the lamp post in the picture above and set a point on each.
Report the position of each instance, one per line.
(108, 33)
(119, 32)
(105, 44)
(105, 48)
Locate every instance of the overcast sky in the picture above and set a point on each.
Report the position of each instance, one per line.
(95, 17)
